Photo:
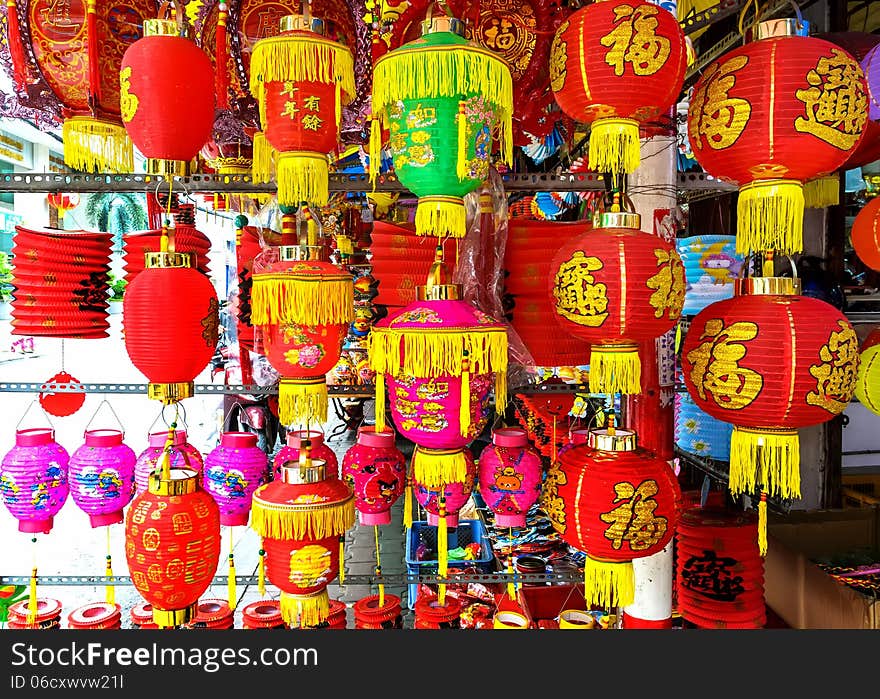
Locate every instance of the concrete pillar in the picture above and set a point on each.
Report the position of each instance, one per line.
(652, 608)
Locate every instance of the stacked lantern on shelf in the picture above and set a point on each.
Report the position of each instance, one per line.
(442, 99)
(187, 239)
(101, 476)
(301, 81)
(96, 616)
(615, 65)
(510, 476)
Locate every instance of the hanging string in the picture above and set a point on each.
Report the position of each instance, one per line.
(511, 586)
(231, 590)
(379, 567)
(62, 354)
(108, 571)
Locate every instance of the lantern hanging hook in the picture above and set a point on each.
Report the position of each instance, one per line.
(28, 409)
(106, 402)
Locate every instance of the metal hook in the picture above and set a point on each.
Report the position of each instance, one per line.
(103, 402)
(35, 401)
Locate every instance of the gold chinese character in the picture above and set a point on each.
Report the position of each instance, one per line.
(552, 504)
(633, 520)
(669, 285)
(558, 59)
(397, 143)
(836, 103)
(289, 89)
(290, 109)
(312, 122)
(634, 41)
(128, 101)
(716, 368)
(312, 102)
(578, 297)
(836, 375)
(719, 119)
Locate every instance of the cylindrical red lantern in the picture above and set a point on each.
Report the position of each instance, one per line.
(172, 544)
(614, 287)
(770, 115)
(262, 614)
(48, 615)
(375, 469)
(171, 321)
(374, 612)
(615, 502)
(142, 616)
(510, 476)
(865, 234)
(614, 65)
(213, 614)
(162, 75)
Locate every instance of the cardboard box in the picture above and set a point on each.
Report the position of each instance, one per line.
(798, 590)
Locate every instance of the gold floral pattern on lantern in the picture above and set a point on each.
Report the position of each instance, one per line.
(633, 520)
(128, 101)
(310, 565)
(720, 119)
(716, 368)
(634, 40)
(836, 376)
(669, 285)
(558, 55)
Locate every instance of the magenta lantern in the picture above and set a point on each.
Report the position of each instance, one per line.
(33, 479)
(101, 476)
(376, 470)
(319, 451)
(183, 455)
(455, 494)
(233, 471)
(510, 476)
(576, 437)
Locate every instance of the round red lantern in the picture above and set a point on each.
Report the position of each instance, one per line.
(615, 502)
(62, 202)
(770, 361)
(376, 470)
(172, 544)
(95, 616)
(165, 75)
(770, 115)
(865, 234)
(615, 65)
(615, 287)
(170, 317)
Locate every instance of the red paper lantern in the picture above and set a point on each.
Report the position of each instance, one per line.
(865, 234)
(61, 403)
(432, 614)
(62, 203)
(262, 614)
(615, 287)
(615, 502)
(770, 115)
(95, 616)
(166, 93)
(172, 544)
(170, 317)
(614, 65)
(142, 616)
(378, 612)
(375, 469)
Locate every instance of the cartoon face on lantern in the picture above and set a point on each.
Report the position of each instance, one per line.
(377, 483)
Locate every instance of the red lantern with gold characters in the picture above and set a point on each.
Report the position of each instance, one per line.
(770, 115)
(162, 75)
(615, 64)
(770, 361)
(615, 287)
(616, 502)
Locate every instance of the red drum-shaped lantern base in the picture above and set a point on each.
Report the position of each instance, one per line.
(430, 614)
(368, 614)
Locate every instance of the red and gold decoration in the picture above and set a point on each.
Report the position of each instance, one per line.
(62, 203)
(171, 321)
(300, 80)
(865, 234)
(770, 115)
(616, 502)
(770, 361)
(187, 239)
(300, 519)
(616, 64)
(615, 287)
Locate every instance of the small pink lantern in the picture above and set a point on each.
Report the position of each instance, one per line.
(320, 451)
(510, 476)
(455, 494)
(101, 476)
(233, 471)
(183, 455)
(33, 479)
(576, 437)
(376, 470)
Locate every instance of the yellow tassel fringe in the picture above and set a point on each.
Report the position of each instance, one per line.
(435, 468)
(447, 71)
(441, 217)
(461, 160)
(608, 584)
(261, 574)
(615, 369)
(110, 592)
(770, 216)
(442, 547)
(408, 504)
(822, 192)
(301, 611)
(32, 598)
(614, 146)
(302, 176)
(375, 148)
(303, 300)
(342, 560)
(464, 404)
(92, 145)
(302, 401)
(231, 588)
(762, 525)
(769, 460)
(263, 165)
(380, 402)
(275, 521)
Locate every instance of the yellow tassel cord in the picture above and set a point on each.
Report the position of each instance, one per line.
(263, 165)
(276, 521)
(464, 402)
(302, 401)
(337, 104)
(110, 592)
(615, 369)
(441, 217)
(762, 525)
(304, 300)
(608, 584)
(446, 71)
(302, 176)
(301, 611)
(614, 146)
(511, 586)
(375, 148)
(342, 560)
(408, 503)
(434, 468)
(379, 567)
(442, 551)
(380, 402)
(822, 192)
(93, 145)
(461, 168)
(231, 590)
(770, 216)
(768, 459)
(261, 574)
(32, 598)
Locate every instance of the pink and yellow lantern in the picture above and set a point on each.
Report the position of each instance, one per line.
(510, 476)
(443, 503)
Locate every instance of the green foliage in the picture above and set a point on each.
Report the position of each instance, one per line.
(5, 277)
(117, 213)
(117, 286)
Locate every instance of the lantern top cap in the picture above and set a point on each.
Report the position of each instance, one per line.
(161, 27)
(620, 219)
(182, 481)
(612, 439)
(302, 23)
(301, 253)
(768, 286)
(166, 260)
(787, 26)
(439, 286)
(442, 23)
(300, 473)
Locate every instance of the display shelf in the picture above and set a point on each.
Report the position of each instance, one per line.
(200, 388)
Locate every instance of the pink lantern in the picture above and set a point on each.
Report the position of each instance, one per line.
(576, 437)
(183, 455)
(455, 494)
(376, 470)
(33, 479)
(320, 451)
(233, 471)
(510, 476)
(101, 476)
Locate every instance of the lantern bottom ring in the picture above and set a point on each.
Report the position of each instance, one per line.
(174, 617)
(170, 393)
